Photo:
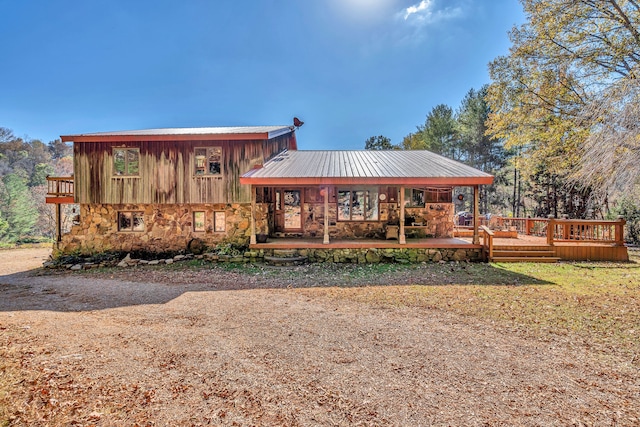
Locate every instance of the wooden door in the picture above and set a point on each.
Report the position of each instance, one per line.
(288, 210)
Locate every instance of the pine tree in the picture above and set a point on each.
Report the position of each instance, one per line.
(17, 206)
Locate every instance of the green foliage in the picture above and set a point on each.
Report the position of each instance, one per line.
(4, 225)
(629, 209)
(40, 173)
(17, 207)
(437, 134)
(379, 142)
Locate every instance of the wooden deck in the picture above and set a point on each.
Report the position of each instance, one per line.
(570, 251)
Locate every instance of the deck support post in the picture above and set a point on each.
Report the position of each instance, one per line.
(402, 239)
(58, 222)
(620, 231)
(476, 214)
(252, 239)
(326, 215)
(551, 229)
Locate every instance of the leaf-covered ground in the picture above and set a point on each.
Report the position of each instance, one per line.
(433, 344)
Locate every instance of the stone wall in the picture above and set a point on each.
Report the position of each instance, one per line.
(373, 255)
(167, 228)
(437, 217)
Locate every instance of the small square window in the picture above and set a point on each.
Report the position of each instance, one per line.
(130, 221)
(208, 161)
(126, 161)
(198, 221)
(219, 222)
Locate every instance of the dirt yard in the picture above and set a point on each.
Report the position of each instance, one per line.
(165, 347)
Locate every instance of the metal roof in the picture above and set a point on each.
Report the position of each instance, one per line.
(418, 167)
(237, 132)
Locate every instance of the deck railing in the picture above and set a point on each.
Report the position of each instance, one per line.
(567, 230)
(60, 186)
(487, 242)
(583, 231)
(528, 226)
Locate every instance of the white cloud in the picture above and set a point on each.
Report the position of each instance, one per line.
(426, 12)
(422, 8)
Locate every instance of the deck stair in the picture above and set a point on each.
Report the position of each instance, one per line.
(541, 253)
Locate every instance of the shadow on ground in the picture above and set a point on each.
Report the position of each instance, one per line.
(115, 287)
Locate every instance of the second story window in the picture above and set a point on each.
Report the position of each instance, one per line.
(208, 161)
(126, 161)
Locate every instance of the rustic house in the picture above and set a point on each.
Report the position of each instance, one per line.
(160, 190)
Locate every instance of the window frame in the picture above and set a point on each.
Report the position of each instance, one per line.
(204, 222)
(127, 163)
(219, 225)
(206, 167)
(370, 194)
(132, 227)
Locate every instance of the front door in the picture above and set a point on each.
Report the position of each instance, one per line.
(288, 210)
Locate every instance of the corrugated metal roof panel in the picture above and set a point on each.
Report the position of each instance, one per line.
(186, 133)
(364, 164)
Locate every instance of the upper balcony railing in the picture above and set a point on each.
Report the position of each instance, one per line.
(60, 189)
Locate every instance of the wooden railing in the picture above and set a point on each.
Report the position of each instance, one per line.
(487, 242)
(585, 231)
(527, 226)
(567, 230)
(60, 186)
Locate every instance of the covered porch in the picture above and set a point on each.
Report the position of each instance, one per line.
(359, 199)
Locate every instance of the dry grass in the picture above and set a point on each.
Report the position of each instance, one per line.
(596, 305)
(433, 344)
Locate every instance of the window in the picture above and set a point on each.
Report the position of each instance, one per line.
(199, 221)
(208, 161)
(416, 197)
(438, 195)
(219, 222)
(126, 161)
(130, 221)
(357, 204)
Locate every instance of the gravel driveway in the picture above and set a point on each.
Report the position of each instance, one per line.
(204, 350)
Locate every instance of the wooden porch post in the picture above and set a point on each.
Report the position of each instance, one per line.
(402, 239)
(476, 214)
(326, 216)
(252, 239)
(58, 222)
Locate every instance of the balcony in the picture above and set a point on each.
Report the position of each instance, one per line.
(59, 190)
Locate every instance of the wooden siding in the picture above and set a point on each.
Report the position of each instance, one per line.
(167, 171)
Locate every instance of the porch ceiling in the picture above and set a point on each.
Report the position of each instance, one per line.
(364, 167)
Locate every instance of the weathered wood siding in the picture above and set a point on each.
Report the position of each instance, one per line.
(167, 172)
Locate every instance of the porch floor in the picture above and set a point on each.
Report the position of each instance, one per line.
(311, 243)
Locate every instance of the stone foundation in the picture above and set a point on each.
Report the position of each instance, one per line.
(167, 228)
(292, 257)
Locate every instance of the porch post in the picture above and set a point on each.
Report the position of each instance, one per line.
(326, 216)
(58, 222)
(252, 239)
(476, 213)
(401, 237)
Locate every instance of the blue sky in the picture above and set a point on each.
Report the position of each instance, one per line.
(349, 68)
